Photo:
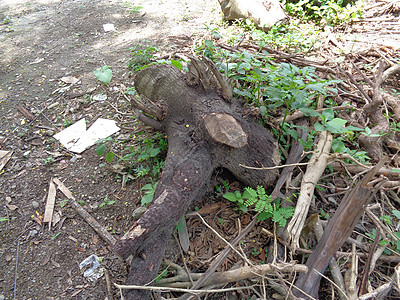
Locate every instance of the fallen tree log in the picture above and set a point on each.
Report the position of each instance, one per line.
(206, 130)
(338, 230)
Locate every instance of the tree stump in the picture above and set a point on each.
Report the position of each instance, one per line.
(206, 129)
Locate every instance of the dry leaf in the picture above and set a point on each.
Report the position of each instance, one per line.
(12, 207)
(7, 256)
(56, 264)
(69, 79)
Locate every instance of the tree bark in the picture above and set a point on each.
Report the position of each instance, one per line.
(205, 130)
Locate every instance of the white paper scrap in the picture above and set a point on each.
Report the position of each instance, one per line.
(108, 27)
(77, 139)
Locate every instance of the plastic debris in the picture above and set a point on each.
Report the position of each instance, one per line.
(100, 97)
(95, 270)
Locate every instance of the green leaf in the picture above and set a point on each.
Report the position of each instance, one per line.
(230, 196)
(208, 43)
(336, 125)
(153, 152)
(162, 275)
(109, 156)
(249, 193)
(147, 187)
(328, 114)
(263, 110)
(396, 213)
(353, 128)
(176, 63)
(103, 74)
(263, 216)
(309, 112)
(319, 127)
(146, 199)
(100, 149)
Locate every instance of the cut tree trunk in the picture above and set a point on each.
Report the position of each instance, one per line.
(205, 129)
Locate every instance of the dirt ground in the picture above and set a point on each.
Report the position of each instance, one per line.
(44, 41)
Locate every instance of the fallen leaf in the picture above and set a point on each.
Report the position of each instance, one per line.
(209, 208)
(7, 256)
(245, 219)
(46, 260)
(73, 239)
(56, 264)
(12, 207)
(56, 217)
(262, 255)
(69, 79)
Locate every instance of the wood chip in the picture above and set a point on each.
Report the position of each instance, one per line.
(4, 158)
(25, 112)
(51, 199)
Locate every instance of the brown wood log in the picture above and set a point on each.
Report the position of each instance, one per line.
(338, 230)
(193, 154)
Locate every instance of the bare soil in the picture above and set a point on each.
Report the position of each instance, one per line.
(45, 41)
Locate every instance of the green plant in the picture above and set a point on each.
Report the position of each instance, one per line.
(150, 153)
(3, 219)
(293, 36)
(325, 11)
(142, 56)
(255, 252)
(6, 20)
(102, 148)
(54, 236)
(238, 198)
(106, 202)
(103, 74)
(133, 9)
(393, 243)
(324, 215)
(48, 160)
(67, 123)
(266, 207)
(162, 275)
(368, 132)
(263, 204)
(142, 171)
(149, 191)
(63, 203)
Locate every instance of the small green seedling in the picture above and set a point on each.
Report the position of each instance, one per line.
(107, 202)
(238, 198)
(54, 236)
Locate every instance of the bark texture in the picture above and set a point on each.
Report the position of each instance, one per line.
(205, 130)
